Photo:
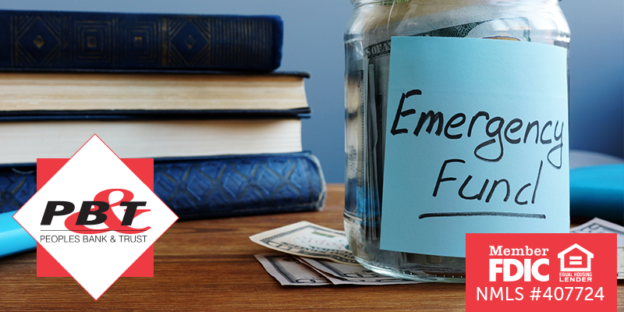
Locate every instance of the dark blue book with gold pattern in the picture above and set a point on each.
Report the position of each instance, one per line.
(80, 40)
(194, 188)
(210, 187)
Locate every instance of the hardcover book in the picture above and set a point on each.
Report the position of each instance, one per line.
(32, 137)
(210, 187)
(152, 92)
(39, 39)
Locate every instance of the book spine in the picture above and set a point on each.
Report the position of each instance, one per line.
(77, 40)
(212, 187)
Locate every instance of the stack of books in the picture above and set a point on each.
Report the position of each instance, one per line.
(196, 93)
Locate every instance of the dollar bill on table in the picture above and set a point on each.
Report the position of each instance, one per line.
(308, 240)
(342, 274)
(597, 225)
(289, 271)
(620, 262)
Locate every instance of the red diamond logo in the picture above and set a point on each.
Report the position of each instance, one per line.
(95, 217)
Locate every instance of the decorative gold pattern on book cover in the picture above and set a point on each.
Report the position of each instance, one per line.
(221, 186)
(104, 40)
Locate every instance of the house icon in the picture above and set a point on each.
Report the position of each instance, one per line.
(575, 258)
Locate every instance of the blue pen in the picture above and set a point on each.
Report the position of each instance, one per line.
(13, 238)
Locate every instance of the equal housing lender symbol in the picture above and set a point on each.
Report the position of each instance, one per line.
(95, 217)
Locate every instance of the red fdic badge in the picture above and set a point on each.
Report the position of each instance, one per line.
(541, 272)
(47, 266)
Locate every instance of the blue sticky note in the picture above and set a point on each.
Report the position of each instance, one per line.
(13, 238)
(476, 142)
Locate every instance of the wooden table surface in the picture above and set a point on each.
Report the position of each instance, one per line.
(209, 265)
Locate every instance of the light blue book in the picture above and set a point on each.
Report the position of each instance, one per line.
(598, 192)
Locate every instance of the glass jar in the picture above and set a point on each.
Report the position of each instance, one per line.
(367, 47)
